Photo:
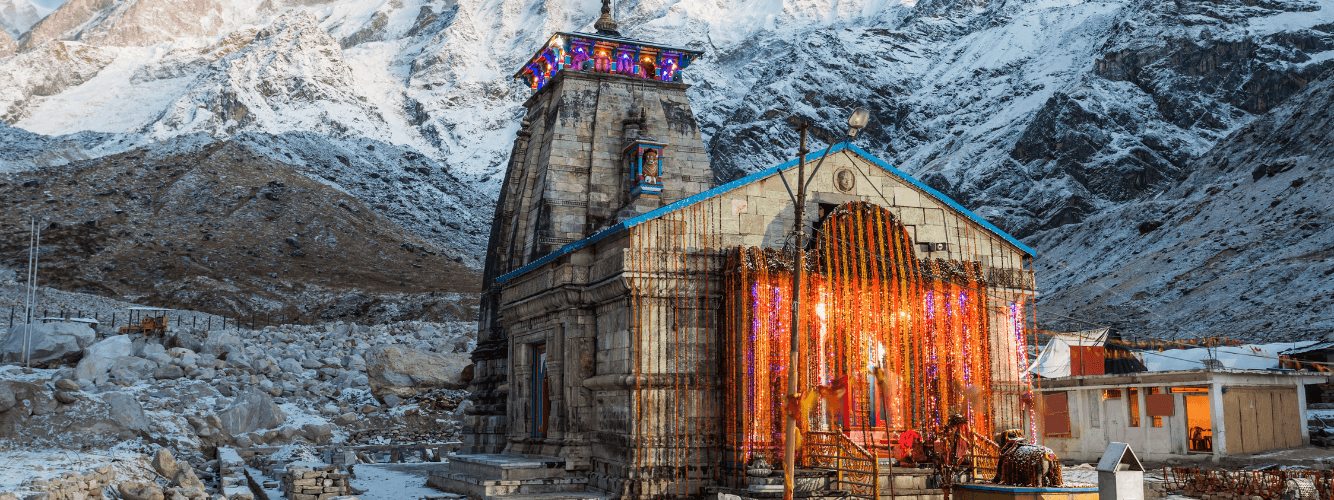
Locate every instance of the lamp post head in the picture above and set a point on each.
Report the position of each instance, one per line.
(858, 120)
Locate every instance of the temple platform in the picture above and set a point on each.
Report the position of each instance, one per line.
(820, 484)
(512, 477)
(976, 491)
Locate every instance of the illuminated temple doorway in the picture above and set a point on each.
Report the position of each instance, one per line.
(888, 343)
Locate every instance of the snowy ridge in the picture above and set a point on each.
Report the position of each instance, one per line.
(1035, 115)
(1239, 248)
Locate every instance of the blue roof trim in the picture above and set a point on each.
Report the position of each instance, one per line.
(941, 197)
(686, 202)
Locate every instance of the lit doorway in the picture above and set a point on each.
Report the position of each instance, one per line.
(541, 391)
(1199, 423)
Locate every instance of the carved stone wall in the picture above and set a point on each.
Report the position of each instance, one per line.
(566, 180)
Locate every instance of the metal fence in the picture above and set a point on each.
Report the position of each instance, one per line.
(1267, 484)
(198, 321)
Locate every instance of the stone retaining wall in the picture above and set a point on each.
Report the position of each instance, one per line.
(70, 486)
(303, 483)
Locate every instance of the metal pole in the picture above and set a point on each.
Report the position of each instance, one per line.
(798, 229)
(34, 248)
(27, 291)
(36, 257)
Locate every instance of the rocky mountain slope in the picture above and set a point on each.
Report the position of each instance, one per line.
(224, 228)
(1240, 247)
(1036, 115)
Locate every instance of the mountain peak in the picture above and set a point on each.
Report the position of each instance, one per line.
(16, 16)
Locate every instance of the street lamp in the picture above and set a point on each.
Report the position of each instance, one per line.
(856, 122)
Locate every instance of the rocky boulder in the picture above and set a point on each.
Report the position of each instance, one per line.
(188, 339)
(290, 365)
(131, 369)
(168, 372)
(165, 464)
(223, 346)
(102, 356)
(252, 410)
(405, 372)
(126, 411)
(139, 491)
(7, 398)
(50, 344)
(66, 385)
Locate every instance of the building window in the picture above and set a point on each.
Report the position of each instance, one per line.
(1133, 405)
(1111, 394)
(1057, 414)
(1155, 403)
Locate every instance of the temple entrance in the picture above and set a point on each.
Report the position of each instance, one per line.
(891, 346)
(541, 391)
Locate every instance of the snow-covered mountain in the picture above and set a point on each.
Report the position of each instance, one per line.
(1036, 114)
(1239, 248)
(16, 17)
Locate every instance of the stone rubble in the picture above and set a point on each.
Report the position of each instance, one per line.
(202, 393)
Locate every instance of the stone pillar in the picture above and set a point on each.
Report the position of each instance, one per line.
(520, 399)
(556, 420)
(580, 344)
(1216, 419)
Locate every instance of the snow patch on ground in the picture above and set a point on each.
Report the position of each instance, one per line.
(396, 481)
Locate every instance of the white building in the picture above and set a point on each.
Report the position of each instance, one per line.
(1192, 414)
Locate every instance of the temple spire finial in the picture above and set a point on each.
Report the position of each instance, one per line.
(605, 24)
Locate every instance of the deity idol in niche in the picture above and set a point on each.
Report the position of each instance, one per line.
(651, 167)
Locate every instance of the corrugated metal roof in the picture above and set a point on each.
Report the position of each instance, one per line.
(1310, 348)
(757, 176)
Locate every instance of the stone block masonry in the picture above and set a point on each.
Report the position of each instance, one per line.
(71, 486)
(299, 482)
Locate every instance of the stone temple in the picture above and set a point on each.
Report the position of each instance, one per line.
(635, 323)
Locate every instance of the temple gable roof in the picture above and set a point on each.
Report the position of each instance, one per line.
(757, 177)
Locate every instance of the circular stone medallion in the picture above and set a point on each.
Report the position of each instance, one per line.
(844, 180)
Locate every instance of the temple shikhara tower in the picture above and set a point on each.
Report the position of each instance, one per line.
(635, 323)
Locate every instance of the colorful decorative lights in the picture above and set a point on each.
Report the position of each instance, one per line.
(570, 51)
(910, 339)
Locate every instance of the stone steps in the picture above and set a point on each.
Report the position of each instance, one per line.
(496, 477)
(489, 488)
(913, 494)
(508, 466)
(561, 496)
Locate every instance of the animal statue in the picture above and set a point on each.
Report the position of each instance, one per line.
(1023, 464)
